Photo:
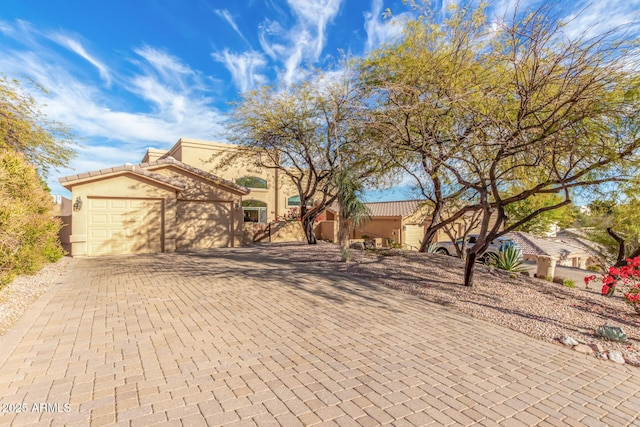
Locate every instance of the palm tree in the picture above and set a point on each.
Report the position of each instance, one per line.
(352, 210)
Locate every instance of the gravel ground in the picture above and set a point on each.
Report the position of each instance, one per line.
(24, 290)
(535, 307)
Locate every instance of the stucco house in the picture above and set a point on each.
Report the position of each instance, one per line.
(158, 206)
(195, 196)
(178, 199)
(562, 251)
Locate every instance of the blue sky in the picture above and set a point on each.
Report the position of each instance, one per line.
(128, 75)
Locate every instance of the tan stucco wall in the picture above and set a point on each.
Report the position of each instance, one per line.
(327, 230)
(213, 157)
(153, 154)
(122, 186)
(221, 202)
(290, 231)
(385, 227)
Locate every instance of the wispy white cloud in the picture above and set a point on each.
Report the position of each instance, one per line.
(303, 41)
(599, 17)
(315, 15)
(245, 68)
(175, 100)
(166, 66)
(271, 30)
(379, 29)
(76, 46)
(226, 15)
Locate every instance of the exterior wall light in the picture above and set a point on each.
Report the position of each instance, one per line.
(77, 205)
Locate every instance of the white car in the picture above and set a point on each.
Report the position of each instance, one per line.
(448, 248)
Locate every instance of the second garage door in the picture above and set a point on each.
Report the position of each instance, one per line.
(124, 226)
(204, 225)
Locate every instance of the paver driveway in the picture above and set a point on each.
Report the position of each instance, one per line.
(234, 337)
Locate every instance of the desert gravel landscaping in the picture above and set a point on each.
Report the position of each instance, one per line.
(535, 307)
(24, 290)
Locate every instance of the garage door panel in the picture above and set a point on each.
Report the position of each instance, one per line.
(122, 204)
(124, 226)
(204, 225)
(97, 204)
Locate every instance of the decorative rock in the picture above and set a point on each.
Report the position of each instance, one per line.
(597, 348)
(568, 341)
(616, 356)
(612, 333)
(582, 348)
(357, 245)
(601, 355)
(631, 359)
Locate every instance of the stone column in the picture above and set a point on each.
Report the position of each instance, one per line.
(546, 266)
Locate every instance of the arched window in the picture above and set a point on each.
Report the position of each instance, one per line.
(294, 201)
(252, 182)
(254, 211)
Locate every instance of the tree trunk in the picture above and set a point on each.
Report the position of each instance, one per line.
(307, 225)
(620, 260)
(343, 238)
(428, 238)
(468, 268)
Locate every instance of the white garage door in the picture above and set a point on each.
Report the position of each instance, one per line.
(413, 236)
(204, 225)
(124, 226)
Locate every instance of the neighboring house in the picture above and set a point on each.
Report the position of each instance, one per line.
(563, 251)
(579, 237)
(400, 222)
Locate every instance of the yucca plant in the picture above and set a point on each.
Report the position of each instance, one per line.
(508, 258)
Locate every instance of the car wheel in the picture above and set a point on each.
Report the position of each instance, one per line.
(488, 258)
(442, 251)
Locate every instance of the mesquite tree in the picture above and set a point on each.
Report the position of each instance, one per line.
(310, 132)
(496, 112)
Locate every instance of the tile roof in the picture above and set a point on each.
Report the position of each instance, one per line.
(142, 170)
(400, 208)
(133, 169)
(533, 245)
(211, 177)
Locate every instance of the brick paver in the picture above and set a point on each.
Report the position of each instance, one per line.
(235, 337)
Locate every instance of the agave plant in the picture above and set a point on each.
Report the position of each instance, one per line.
(508, 258)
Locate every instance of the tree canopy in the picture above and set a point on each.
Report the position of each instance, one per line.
(497, 112)
(25, 129)
(310, 132)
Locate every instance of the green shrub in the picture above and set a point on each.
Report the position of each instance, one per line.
(509, 258)
(569, 283)
(28, 229)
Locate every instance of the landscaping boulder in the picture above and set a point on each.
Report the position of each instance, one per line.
(583, 348)
(568, 341)
(357, 246)
(616, 356)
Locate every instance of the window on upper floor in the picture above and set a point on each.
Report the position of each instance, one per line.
(252, 182)
(294, 201)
